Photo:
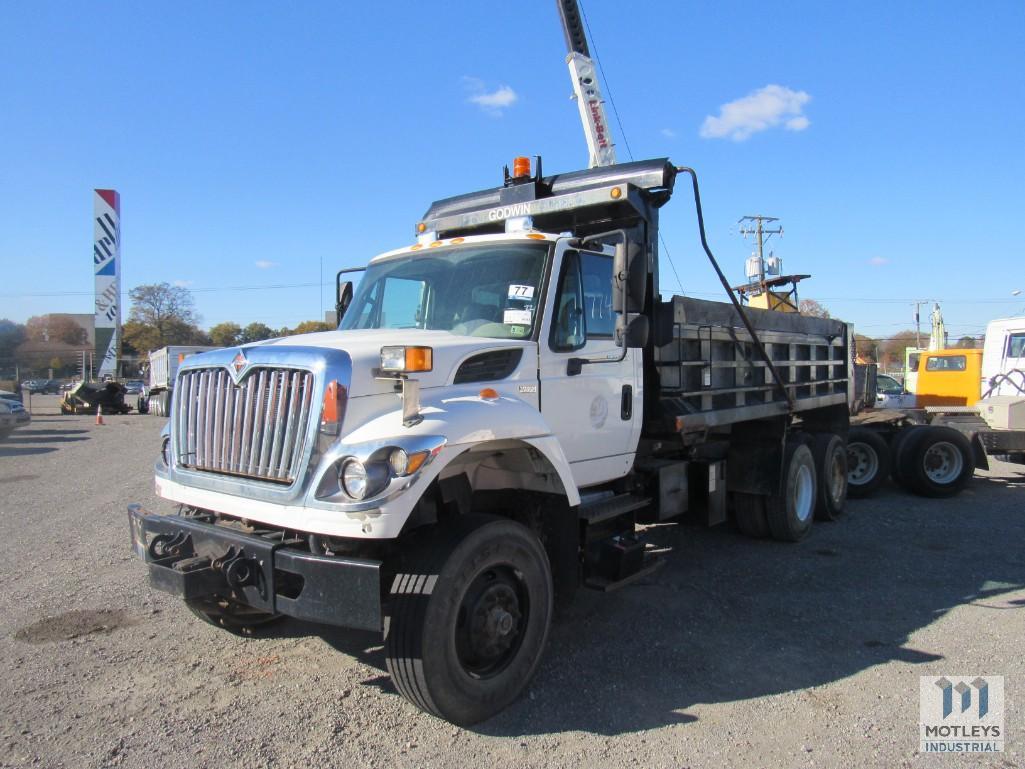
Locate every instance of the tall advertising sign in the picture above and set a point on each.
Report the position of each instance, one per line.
(107, 266)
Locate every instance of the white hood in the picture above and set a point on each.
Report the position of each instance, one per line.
(364, 348)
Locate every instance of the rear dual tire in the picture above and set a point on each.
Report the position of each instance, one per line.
(787, 516)
(935, 461)
(868, 462)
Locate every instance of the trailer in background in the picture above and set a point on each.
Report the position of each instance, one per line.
(969, 405)
(163, 368)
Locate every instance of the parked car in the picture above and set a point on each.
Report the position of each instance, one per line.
(134, 386)
(890, 394)
(41, 386)
(21, 414)
(7, 395)
(7, 419)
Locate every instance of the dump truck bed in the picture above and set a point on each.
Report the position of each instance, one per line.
(711, 373)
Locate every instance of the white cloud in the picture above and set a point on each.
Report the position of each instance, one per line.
(878, 261)
(669, 133)
(760, 110)
(182, 283)
(492, 102)
(265, 264)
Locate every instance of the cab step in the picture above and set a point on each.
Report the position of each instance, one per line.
(611, 507)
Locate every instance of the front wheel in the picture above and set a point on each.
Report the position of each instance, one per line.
(468, 619)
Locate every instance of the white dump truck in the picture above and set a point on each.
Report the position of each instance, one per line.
(160, 375)
(504, 401)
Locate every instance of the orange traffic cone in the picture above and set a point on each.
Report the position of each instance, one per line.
(99, 415)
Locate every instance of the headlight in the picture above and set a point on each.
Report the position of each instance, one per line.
(407, 464)
(398, 460)
(354, 479)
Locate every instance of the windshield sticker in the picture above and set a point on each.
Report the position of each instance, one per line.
(521, 292)
(517, 317)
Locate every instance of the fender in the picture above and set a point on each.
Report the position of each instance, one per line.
(467, 421)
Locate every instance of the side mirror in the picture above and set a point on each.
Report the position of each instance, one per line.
(343, 298)
(632, 333)
(629, 278)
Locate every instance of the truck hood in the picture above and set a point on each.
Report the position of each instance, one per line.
(364, 349)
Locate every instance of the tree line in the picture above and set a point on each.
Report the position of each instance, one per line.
(160, 315)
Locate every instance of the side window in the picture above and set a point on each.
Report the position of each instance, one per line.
(369, 308)
(568, 321)
(597, 279)
(1016, 346)
(401, 306)
(951, 363)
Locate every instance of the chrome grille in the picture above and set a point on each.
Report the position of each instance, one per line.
(257, 429)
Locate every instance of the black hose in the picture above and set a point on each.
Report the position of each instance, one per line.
(729, 290)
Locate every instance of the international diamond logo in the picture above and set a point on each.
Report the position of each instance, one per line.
(238, 365)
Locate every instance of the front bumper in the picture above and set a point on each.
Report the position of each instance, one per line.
(194, 559)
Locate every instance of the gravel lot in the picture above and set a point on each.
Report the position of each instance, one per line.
(738, 653)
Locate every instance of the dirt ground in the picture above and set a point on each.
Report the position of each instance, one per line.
(738, 653)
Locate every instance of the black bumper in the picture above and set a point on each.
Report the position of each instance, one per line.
(194, 559)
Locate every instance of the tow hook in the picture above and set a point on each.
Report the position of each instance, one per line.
(239, 570)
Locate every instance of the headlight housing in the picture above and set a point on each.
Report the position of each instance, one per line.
(406, 359)
(354, 479)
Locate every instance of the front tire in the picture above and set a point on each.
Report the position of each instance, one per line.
(468, 619)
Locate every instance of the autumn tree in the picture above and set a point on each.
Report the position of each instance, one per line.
(312, 326)
(11, 335)
(812, 308)
(55, 328)
(966, 343)
(256, 332)
(161, 315)
(867, 347)
(225, 334)
(892, 348)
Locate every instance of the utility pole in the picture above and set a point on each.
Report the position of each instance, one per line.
(918, 324)
(755, 225)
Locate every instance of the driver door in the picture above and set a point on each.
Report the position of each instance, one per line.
(595, 413)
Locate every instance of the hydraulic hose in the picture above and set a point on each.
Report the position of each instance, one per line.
(729, 291)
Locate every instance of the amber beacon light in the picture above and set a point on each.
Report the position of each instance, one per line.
(521, 167)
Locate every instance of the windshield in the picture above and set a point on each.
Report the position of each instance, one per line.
(491, 290)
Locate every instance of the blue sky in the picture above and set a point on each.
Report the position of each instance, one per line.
(253, 143)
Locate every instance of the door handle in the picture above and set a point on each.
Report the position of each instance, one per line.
(626, 407)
